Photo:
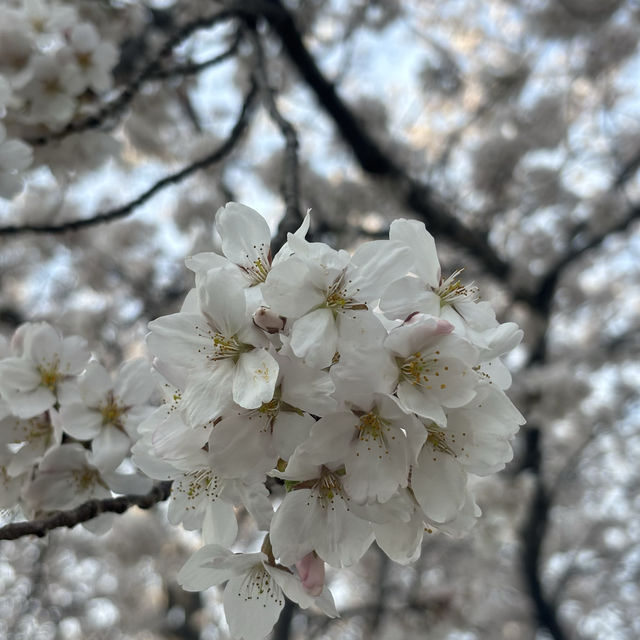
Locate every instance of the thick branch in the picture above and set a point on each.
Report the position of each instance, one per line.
(85, 512)
(371, 157)
(533, 535)
(124, 210)
(543, 297)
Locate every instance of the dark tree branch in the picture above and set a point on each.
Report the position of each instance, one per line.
(533, 535)
(371, 157)
(282, 630)
(543, 297)
(124, 210)
(86, 511)
(377, 611)
(627, 171)
(191, 68)
(152, 70)
(419, 197)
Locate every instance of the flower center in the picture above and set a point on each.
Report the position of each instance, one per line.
(372, 430)
(438, 440)
(38, 428)
(49, 376)
(420, 370)
(111, 413)
(452, 290)
(258, 584)
(224, 347)
(86, 478)
(84, 59)
(198, 484)
(327, 487)
(257, 269)
(271, 408)
(338, 297)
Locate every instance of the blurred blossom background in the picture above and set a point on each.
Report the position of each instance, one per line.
(512, 129)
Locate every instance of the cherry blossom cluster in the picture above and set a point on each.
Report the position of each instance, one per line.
(339, 399)
(65, 424)
(52, 66)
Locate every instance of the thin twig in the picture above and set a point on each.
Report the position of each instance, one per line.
(290, 185)
(86, 511)
(150, 71)
(124, 210)
(191, 68)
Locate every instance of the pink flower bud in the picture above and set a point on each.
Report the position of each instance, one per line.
(268, 321)
(311, 572)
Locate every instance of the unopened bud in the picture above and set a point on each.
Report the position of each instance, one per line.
(268, 321)
(311, 572)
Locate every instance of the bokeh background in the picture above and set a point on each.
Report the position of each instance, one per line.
(512, 129)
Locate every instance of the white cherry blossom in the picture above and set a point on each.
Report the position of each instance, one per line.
(225, 356)
(109, 411)
(256, 586)
(39, 377)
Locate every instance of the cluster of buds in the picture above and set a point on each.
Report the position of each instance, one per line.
(353, 393)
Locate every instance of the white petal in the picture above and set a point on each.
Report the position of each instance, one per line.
(407, 295)
(421, 330)
(414, 400)
(209, 566)
(75, 355)
(80, 421)
(331, 438)
(30, 403)
(289, 290)
(255, 378)
(255, 498)
(294, 590)
(220, 525)
(110, 447)
(439, 484)
(290, 430)
(180, 339)
(95, 383)
(134, 384)
(314, 338)
(244, 232)
(44, 344)
(306, 388)
(378, 263)
(222, 300)
(241, 446)
(18, 374)
(208, 393)
(15, 155)
(423, 248)
(402, 542)
(377, 467)
(252, 605)
(303, 524)
(202, 262)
